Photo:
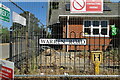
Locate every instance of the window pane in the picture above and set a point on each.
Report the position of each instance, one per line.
(55, 5)
(95, 23)
(103, 23)
(104, 31)
(87, 24)
(87, 31)
(95, 31)
(67, 7)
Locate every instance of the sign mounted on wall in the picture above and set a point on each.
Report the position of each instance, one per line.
(114, 30)
(86, 6)
(4, 13)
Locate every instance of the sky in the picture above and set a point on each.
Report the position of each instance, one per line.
(38, 8)
(115, 0)
(41, 0)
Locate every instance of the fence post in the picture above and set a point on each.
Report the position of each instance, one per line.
(119, 40)
(10, 53)
(26, 71)
(119, 53)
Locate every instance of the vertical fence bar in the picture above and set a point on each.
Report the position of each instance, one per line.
(10, 54)
(26, 61)
(119, 40)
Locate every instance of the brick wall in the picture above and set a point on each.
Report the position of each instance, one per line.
(75, 29)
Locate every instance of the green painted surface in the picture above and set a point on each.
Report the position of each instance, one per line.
(4, 14)
(114, 30)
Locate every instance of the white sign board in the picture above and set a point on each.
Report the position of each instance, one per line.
(19, 19)
(86, 6)
(63, 41)
(7, 70)
(4, 13)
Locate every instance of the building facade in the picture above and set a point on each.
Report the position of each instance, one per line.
(94, 27)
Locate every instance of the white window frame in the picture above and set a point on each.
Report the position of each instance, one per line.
(100, 35)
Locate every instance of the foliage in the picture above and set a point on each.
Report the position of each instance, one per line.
(31, 21)
(4, 32)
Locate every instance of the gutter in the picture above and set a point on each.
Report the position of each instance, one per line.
(89, 15)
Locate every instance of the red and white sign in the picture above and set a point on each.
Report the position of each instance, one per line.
(7, 70)
(0, 71)
(86, 6)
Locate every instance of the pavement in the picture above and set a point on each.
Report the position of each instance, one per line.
(4, 51)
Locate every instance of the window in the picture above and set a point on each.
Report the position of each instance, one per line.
(87, 27)
(55, 5)
(96, 28)
(67, 6)
(96, 23)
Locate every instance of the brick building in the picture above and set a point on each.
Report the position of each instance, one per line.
(94, 27)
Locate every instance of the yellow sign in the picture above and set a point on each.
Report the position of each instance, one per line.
(96, 57)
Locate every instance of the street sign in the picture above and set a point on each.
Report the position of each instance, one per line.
(63, 41)
(7, 70)
(86, 6)
(4, 13)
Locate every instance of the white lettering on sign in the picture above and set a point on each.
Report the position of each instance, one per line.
(4, 13)
(63, 41)
(7, 70)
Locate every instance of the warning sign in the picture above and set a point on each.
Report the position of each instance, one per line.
(78, 5)
(86, 6)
